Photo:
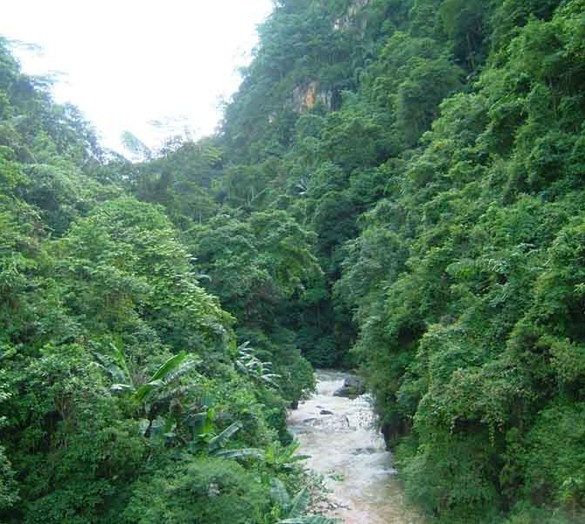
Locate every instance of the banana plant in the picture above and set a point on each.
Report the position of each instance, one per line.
(277, 457)
(284, 458)
(154, 395)
(250, 365)
(204, 438)
(294, 510)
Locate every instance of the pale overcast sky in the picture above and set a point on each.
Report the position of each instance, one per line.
(128, 64)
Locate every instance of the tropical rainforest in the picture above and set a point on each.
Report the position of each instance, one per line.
(397, 187)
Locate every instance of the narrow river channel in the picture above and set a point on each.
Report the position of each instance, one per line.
(346, 449)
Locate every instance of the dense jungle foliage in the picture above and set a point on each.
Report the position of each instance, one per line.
(126, 392)
(398, 185)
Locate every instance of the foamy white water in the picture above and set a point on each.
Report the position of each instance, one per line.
(348, 450)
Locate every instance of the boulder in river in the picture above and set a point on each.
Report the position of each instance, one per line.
(325, 412)
(352, 387)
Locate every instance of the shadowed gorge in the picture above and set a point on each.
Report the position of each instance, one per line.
(396, 189)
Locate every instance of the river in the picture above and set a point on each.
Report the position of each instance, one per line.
(346, 449)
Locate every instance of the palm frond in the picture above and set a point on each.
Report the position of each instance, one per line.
(117, 388)
(309, 519)
(170, 365)
(115, 372)
(120, 360)
(201, 423)
(182, 369)
(279, 493)
(237, 454)
(299, 504)
(143, 391)
(219, 440)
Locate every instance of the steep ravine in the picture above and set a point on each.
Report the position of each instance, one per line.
(340, 436)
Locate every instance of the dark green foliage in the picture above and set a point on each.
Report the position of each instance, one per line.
(114, 360)
(466, 282)
(397, 184)
(446, 195)
(555, 472)
(8, 493)
(8, 488)
(197, 491)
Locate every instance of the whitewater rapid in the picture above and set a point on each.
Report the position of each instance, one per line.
(345, 447)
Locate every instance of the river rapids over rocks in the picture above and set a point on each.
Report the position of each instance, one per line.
(345, 447)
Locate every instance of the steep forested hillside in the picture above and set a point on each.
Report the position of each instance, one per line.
(397, 186)
(125, 395)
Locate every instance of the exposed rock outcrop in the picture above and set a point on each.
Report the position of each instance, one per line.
(352, 387)
(306, 96)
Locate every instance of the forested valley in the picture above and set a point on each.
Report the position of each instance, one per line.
(397, 187)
